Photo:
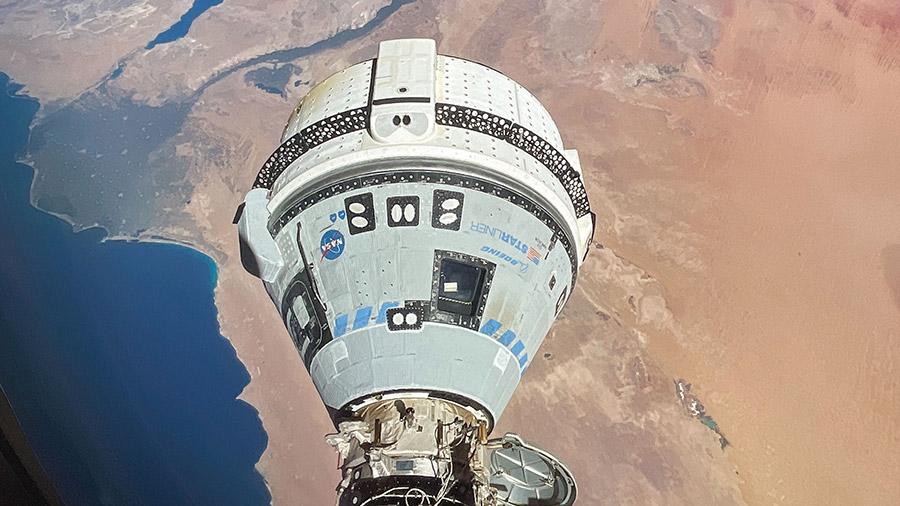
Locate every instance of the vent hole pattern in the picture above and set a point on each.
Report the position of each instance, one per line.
(522, 138)
(310, 137)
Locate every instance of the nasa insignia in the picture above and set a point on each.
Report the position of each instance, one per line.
(332, 244)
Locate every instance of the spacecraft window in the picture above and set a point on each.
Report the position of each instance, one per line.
(459, 286)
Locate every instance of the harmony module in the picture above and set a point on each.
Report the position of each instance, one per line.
(419, 229)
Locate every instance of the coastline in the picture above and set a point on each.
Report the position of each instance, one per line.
(45, 228)
(676, 149)
(210, 256)
(215, 256)
(290, 379)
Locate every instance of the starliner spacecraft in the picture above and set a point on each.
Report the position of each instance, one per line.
(419, 229)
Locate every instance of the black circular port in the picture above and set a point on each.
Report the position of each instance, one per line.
(396, 120)
(402, 89)
(406, 119)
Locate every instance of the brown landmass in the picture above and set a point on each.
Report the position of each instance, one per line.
(743, 159)
(59, 49)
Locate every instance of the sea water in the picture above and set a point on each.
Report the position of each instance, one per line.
(111, 357)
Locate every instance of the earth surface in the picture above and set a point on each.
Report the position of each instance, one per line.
(743, 159)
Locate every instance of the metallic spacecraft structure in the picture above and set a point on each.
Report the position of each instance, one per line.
(419, 229)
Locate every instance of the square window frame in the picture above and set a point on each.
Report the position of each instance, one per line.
(472, 321)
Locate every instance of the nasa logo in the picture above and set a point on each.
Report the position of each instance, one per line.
(332, 244)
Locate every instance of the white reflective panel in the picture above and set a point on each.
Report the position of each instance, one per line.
(396, 213)
(357, 208)
(409, 212)
(450, 287)
(447, 218)
(359, 221)
(411, 318)
(450, 204)
(397, 318)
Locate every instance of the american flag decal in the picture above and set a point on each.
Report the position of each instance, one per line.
(533, 255)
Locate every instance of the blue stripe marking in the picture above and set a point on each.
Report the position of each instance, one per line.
(340, 325)
(382, 313)
(362, 317)
(490, 327)
(507, 338)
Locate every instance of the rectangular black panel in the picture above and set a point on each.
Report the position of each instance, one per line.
(446, 209)
(360, 213)
(403, 211)
(409, 317)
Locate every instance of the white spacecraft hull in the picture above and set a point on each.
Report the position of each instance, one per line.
(419, 229)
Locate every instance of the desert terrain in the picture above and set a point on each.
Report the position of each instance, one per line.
(742, 159)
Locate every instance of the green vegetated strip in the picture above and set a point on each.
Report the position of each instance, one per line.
(291, 54)
(104, 159)
(98, 160)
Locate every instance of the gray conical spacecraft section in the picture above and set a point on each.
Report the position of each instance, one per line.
(419, 229)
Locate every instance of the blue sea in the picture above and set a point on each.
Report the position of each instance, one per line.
(111, 357)
(181, 27)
